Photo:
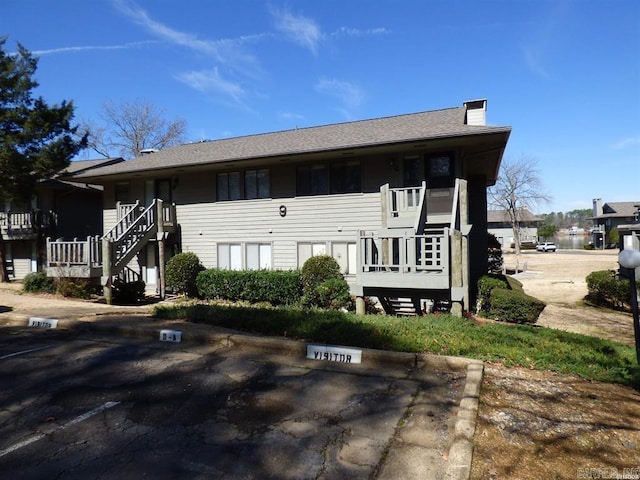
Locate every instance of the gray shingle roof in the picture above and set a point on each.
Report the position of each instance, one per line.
(366, 133)
(84, 165)
(502, 216)
(619, 209)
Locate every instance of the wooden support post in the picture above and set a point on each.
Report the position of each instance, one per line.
(107, 265)
(160, 240)
(456, 271)
(360, 306)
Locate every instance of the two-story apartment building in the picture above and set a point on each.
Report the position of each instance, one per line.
(59, 209)
(609, 216)
(400, 202)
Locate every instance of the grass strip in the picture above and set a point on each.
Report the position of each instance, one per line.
(512, 345)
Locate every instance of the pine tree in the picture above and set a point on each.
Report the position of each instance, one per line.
(36, 139)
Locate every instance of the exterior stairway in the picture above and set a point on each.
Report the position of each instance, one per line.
(401, 306)
(417, 261)
(130, 235)
(108, 256)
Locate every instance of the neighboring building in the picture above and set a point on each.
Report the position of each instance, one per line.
(499, 224)
(400, 202)
(59, 209)
(609, 216)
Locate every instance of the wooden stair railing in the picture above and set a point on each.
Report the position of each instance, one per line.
(130, 235)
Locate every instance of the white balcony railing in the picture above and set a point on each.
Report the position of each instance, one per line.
(75, 253)
(402, 205)
(418, 261)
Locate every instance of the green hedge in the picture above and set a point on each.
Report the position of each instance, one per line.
(514, 306)
(606, 287)
(181, 273)
(502, 298)
(485, 285)
(274, 286)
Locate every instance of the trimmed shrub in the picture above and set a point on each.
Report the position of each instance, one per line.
(38, 282)
(485, 285)
(514, 307)
(606, 287)
(333, 294)
(74, 287)
(315, 271)
(128, 292)
(274, 286)
(181, 273)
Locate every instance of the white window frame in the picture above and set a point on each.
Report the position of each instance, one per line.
(236, 255)
(348, 266)
(306, 250)
(226, 253)
(264, 256)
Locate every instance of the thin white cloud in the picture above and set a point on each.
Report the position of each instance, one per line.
(211, 82)
(85, 48)
(140, 17)
(626, 143)
(225, 51)
(355, 32)
(298, 28)
(539, 49)
(349, 94)
(290, 116)
(533, 60)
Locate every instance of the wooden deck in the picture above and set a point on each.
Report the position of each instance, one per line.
(85, 258)
(26, 225)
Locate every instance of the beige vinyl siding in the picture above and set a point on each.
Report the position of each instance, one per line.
(20, 253)
(204, 222)
(309, 219)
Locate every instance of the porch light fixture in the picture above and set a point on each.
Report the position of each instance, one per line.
(630, 259)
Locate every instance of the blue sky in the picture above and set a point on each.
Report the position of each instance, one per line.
(565, 75)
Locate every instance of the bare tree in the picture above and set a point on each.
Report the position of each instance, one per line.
(131, 127)
(518, 189)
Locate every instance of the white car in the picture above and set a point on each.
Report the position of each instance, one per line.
(546, 247)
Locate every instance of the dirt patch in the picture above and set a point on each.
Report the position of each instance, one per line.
(534, 424)
(539, 425)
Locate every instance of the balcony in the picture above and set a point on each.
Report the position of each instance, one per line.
(136, 226)
(400, 259)
(26, 225)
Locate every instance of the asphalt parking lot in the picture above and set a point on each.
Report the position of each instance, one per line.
(84, 404)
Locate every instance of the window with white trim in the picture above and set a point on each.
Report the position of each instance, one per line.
(230, 256)
(244, 256)
(308, 250)
(345, 255)
(258, 256)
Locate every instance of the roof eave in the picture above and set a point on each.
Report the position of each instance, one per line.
(94, 176)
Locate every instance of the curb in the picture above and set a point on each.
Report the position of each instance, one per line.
(461, 447)
(461, 450)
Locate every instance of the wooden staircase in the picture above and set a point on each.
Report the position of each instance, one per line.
(401, 306)
(107, 257)
(419, 260)
(132, 232)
